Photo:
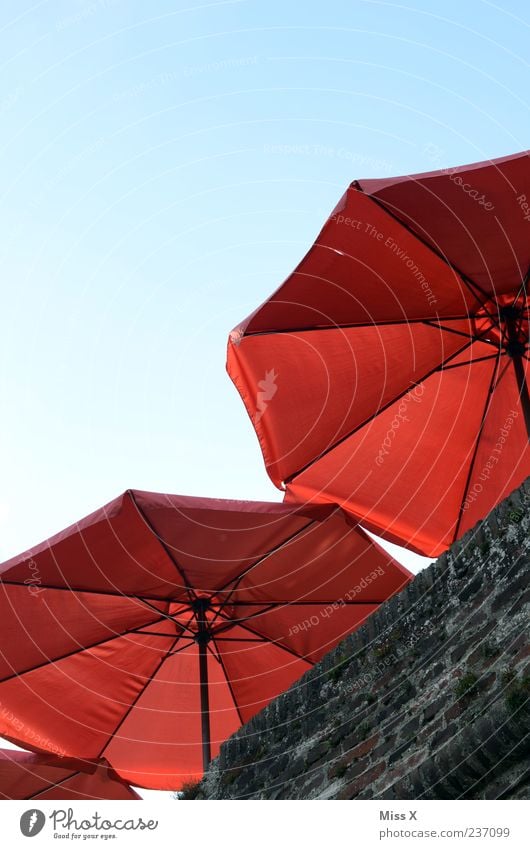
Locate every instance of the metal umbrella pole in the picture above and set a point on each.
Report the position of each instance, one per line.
(517, 350)
(202, 639)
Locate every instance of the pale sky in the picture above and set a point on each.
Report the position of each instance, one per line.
(165, 166)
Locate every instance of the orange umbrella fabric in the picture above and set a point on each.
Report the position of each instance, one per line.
(388, 373)
(28, 775)
(156, 626)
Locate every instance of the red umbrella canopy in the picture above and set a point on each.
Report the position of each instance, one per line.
(28, 775)
(148, 632)
(388, 373)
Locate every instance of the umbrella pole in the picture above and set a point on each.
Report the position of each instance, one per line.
(202, 641)
(523, 390)
(516, 350)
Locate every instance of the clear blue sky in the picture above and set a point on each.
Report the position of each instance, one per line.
(164, 166)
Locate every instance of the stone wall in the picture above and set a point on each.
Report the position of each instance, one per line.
(428, 700)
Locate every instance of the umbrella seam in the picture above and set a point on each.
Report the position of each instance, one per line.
(385, 407)
(469, 282)
(274, 642)
(79, 650)
(189, 589)
(492, 386)
(138, 696)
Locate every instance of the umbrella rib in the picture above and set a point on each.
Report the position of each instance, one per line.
(475, 338)
(78, 650)
(186, 627)
(240, 640)
(54, 784)
(299, 603)
(429, 322)
(522, 319)
(271, 640)
(138, 697)
(473, 362)
(492, 387)
(189, 642)
(170, 618)
(221, 661)
(382, 409)
(153, 633)
(187, 586)
(500, 377)
(258, 562)
(471, 284)
(68, 589)
(522, 287)
(352, 326)
(209, 648)
(267, 607)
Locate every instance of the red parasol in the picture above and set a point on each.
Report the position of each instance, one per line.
(388, 373)
(149, 631)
